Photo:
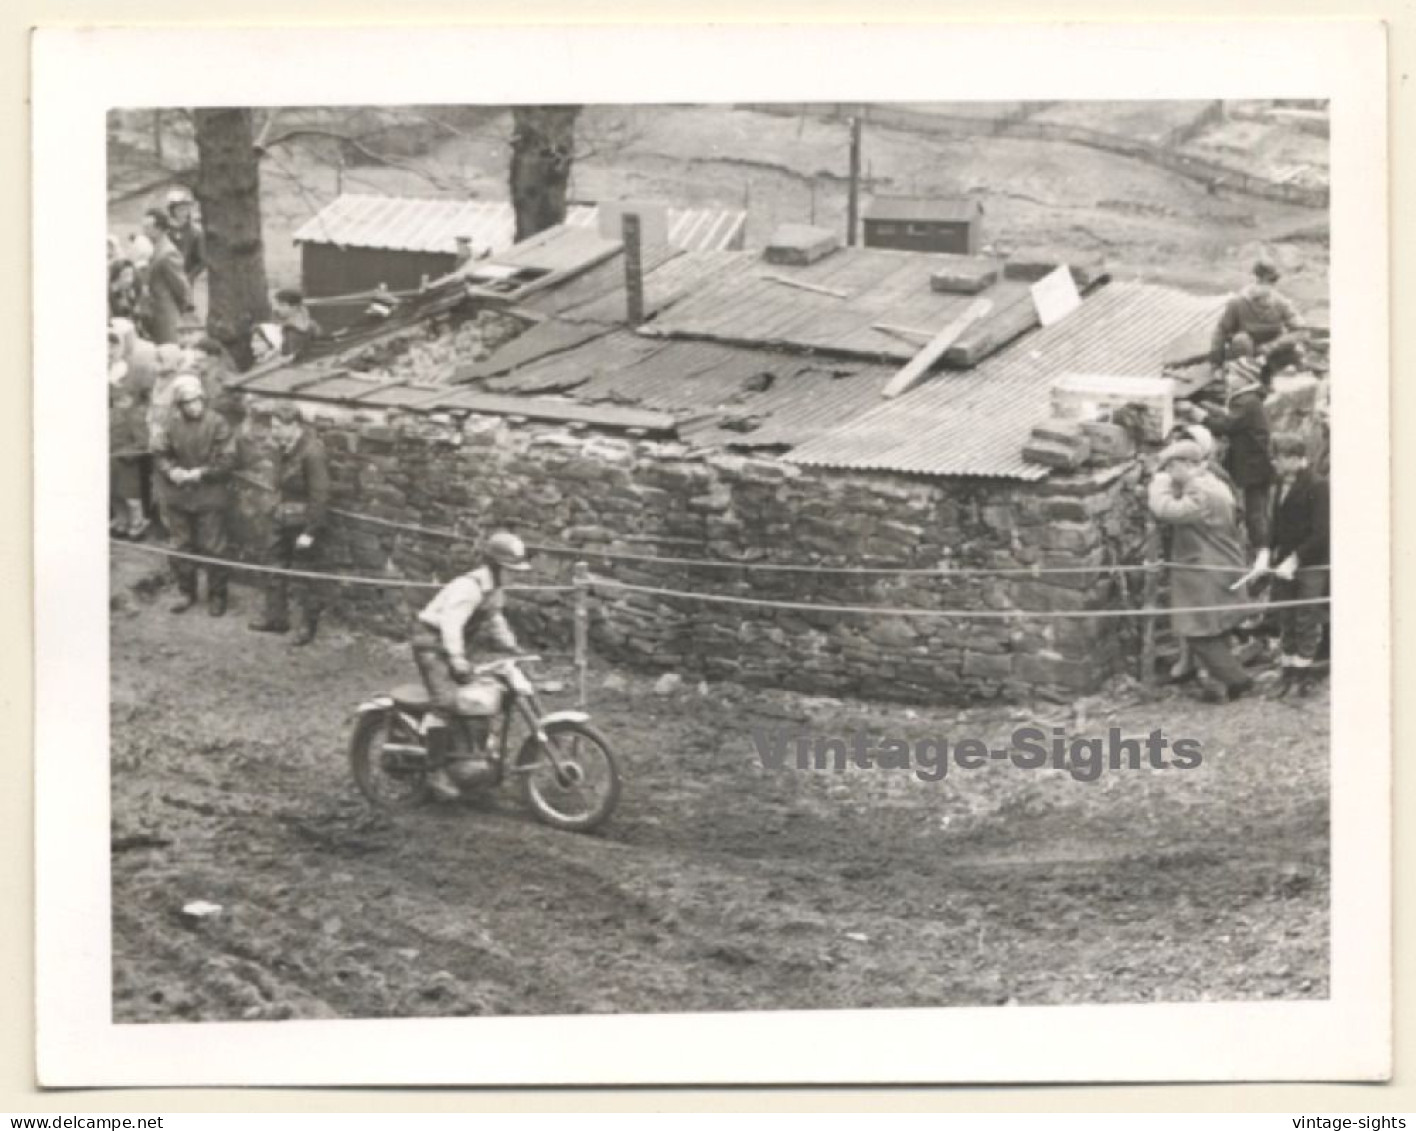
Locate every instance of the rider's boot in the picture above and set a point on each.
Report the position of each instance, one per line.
(439, 783)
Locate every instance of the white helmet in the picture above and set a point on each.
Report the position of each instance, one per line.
(179, 196)
(508, 551)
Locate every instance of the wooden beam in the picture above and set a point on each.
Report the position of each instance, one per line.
(786, 282)
(908, 333)
(919, 365)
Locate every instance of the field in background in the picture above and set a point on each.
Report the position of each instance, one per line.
(1146, 222)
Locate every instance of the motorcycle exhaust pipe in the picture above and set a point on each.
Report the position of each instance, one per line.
(404, 748)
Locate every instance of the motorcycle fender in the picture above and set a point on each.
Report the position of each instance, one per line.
(564, 717)
(382, 703)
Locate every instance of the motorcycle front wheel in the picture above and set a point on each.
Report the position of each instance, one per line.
(583, 794)
(389, 760)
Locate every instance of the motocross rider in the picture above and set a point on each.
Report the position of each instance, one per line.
(450, 621)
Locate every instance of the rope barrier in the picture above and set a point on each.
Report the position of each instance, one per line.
(333, 578)
(724, 599)
(952, 614)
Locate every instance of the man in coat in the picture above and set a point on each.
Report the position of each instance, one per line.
(169, 292)
(187, 235)
(195, 456)
(1258, 322)
(1298, 555)
(1244, 423)
(297, 527)
(1206, 560)
(190, 240)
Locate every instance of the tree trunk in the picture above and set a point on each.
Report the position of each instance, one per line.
(542, 152)
(229, 192)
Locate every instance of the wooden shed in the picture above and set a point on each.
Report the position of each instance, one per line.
(915, 224)
(358, 244)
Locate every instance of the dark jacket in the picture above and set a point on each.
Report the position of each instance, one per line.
(190, 240)
(1264, 317)
(302, 478)
(127, 302)
(127, 428)
(1300, 521)
(169, 293)
(1246, 427)
(206, 443)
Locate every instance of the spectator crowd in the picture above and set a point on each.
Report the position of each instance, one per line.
(178, 434)
(1244, 511)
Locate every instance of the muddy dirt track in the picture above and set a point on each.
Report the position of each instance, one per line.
(719, 885)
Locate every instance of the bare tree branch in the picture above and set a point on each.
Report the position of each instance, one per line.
(358, 147)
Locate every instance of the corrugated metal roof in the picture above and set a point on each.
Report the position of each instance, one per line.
(724, 394)
(976, 422)
(433, 225)
(598, 295)
(921, 208)
(740, 305)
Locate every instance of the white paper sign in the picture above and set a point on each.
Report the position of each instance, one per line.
(1055, 296)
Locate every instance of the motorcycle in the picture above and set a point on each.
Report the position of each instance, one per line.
(567, 773)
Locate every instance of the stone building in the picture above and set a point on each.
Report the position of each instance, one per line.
(736, 443)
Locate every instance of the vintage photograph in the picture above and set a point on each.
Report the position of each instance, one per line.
(709, 557)
(694, 564)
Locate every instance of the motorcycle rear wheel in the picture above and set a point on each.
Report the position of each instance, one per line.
(579, 805)
(390, 783)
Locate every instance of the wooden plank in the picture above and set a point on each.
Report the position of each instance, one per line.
(919, 365)
(986, 337)
(908, 333)
(786, 282)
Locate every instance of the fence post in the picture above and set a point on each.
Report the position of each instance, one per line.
(1149, 591)
(581, 578)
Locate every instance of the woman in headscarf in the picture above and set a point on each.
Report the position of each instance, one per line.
(1207, 557)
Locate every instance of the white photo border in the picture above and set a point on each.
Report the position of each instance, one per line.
(79, 74)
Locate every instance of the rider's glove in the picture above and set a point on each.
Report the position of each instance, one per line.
(461, 669)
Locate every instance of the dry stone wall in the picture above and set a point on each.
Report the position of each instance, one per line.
(596, 493)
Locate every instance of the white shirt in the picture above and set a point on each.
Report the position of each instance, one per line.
(456, 604)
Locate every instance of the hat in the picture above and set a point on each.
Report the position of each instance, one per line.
(1265, 271)
(1199, 435)
(179, 196)
(1181, 449)
(289, 296)
(187, 387)
(169, 357)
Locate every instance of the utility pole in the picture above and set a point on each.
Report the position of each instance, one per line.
(853, 202)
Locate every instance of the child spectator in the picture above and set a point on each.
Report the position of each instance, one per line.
(1298, 556)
